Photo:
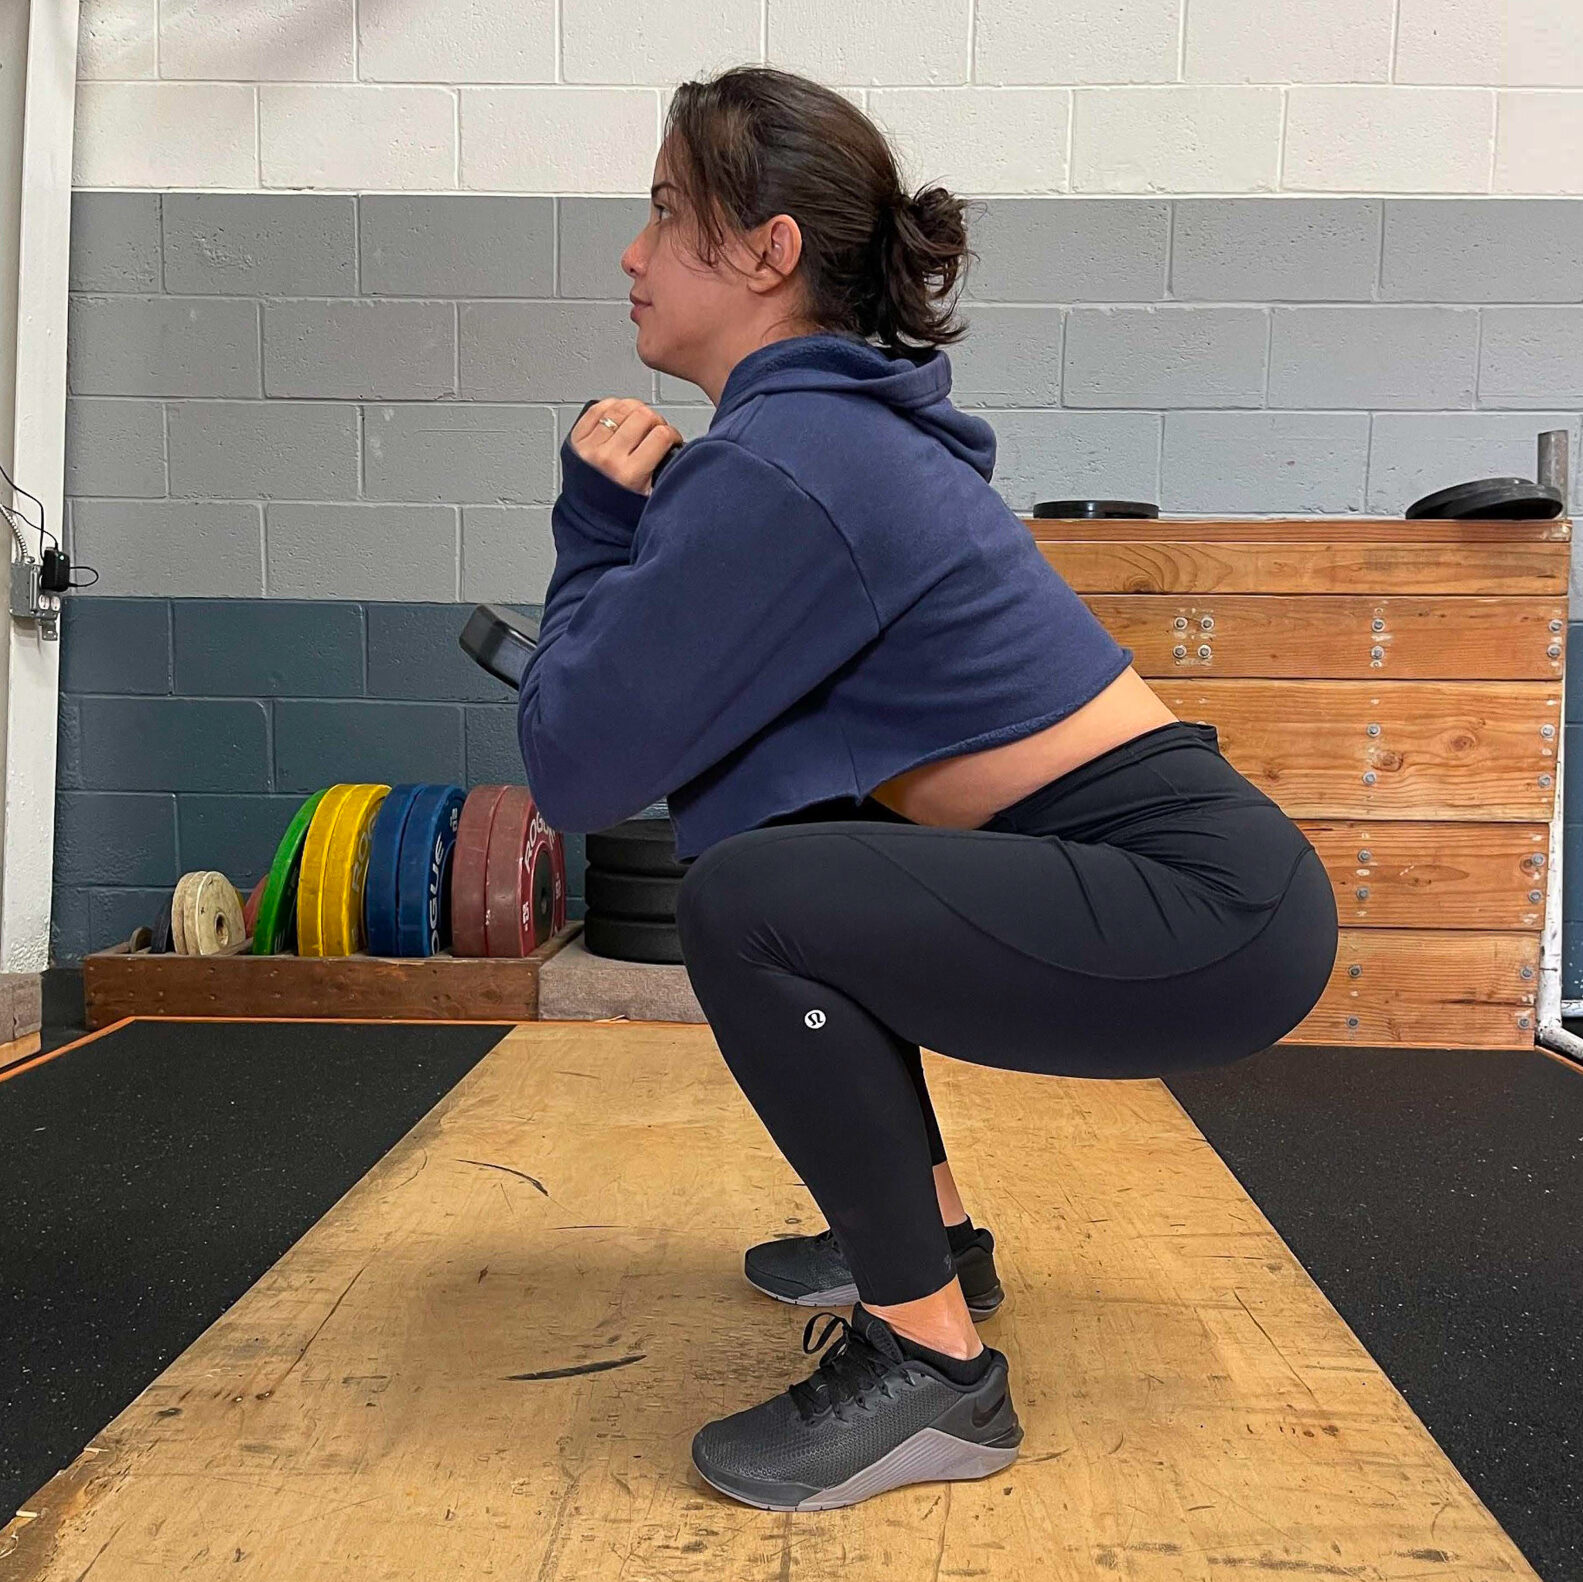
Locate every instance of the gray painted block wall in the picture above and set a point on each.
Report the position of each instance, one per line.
(192, 729)
(340, 418)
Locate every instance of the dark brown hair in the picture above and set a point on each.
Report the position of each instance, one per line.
(754, 142)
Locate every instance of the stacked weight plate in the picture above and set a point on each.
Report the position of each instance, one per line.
(206, 916)
(275, 925)
(334, 870)
(631, 886)
(508, 875)
(406, 903)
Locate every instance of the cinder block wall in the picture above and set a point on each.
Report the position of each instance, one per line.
(307, 431)
(343, 273)
(192, 729)
(991, 96)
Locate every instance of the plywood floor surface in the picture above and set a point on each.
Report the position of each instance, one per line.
(1194, 1407)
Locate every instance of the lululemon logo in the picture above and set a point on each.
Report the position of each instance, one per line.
(814, 1019)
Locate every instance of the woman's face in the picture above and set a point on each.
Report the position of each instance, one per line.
(696, 322)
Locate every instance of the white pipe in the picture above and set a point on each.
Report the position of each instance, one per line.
(30, 663)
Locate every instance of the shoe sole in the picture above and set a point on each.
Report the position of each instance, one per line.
(846, 1295)
(929, 1456)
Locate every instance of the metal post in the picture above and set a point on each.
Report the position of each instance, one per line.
(1553, 468)
(1553, 471)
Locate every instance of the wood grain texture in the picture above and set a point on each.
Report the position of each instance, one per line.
(1454, 750)
(439, 988)
(1185, 566)
(1427, 989)
(16, 1049)
(1305, 530)
(1423, 875)
(1333, 636)
(1194, 1407)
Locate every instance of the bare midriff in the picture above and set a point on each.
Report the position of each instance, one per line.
(964, 792)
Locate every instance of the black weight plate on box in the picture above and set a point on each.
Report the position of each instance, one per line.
(631, 895)
(623, 939)
(636, 845)
(161, 941)
(1094, 510)
(1490, 499)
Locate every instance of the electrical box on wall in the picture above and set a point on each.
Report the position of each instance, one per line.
(35, 592)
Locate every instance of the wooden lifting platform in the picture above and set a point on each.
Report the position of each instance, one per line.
(489, 1359)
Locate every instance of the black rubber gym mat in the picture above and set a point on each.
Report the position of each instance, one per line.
(152, 1176)
(1436, 1198)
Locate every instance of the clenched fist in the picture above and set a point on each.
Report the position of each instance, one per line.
(630, 452)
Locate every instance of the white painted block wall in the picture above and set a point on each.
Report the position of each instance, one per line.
(990, 97)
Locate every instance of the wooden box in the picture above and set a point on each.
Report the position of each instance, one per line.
(1396, 687)
(118, 983)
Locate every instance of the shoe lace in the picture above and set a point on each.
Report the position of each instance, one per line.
(848, 1371)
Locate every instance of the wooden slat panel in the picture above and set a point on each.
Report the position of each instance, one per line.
(430, 988)
(1422, 875)
(1334, 636)
(1444, 749)
(1427, 989)
(1304, 529)
(1160, 566)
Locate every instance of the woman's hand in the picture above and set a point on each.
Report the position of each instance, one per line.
(629, 453)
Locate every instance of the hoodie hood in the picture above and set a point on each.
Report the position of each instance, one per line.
(916, 385)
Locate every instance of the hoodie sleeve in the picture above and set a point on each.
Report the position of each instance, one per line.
(740, 597)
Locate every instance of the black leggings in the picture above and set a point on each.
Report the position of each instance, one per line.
(1149, 912)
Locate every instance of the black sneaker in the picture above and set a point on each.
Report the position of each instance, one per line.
(869, 1419)
(812, 1271)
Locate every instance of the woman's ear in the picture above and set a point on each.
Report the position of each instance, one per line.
(778, 248)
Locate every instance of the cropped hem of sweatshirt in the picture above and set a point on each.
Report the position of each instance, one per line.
(821, 592)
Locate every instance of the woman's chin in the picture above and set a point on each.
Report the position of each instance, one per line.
(653, 358)
(643, 344)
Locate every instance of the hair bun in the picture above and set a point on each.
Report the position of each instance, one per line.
(932, 204)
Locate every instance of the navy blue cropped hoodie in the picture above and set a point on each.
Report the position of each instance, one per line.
(821, 591)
